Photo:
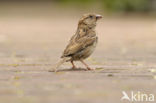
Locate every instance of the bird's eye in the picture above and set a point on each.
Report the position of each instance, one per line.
(91, 16)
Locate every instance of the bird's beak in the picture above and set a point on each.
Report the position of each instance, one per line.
(98, 17)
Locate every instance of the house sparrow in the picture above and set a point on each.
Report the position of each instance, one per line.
(83, 43)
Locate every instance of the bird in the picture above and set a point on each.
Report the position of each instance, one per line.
(82, 43)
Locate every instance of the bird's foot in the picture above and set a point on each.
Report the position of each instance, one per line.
(88, 68)
(74, 67)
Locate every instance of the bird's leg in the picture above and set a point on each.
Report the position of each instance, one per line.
(88, 68)
(73, 65)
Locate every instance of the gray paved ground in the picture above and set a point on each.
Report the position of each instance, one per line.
(125, 60)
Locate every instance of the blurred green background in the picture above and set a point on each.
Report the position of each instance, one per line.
(106, 6)
(117, 5)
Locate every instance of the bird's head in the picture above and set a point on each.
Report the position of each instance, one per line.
(89, 20)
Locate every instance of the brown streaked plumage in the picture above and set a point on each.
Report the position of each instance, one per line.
(83, 43)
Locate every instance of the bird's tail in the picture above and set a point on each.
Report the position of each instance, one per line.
(55, 67)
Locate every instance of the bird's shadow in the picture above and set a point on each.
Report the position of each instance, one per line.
(71, 69)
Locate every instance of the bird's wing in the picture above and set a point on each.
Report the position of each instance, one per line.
(78, 45)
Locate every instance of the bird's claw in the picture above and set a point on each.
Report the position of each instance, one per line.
(88, 68)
